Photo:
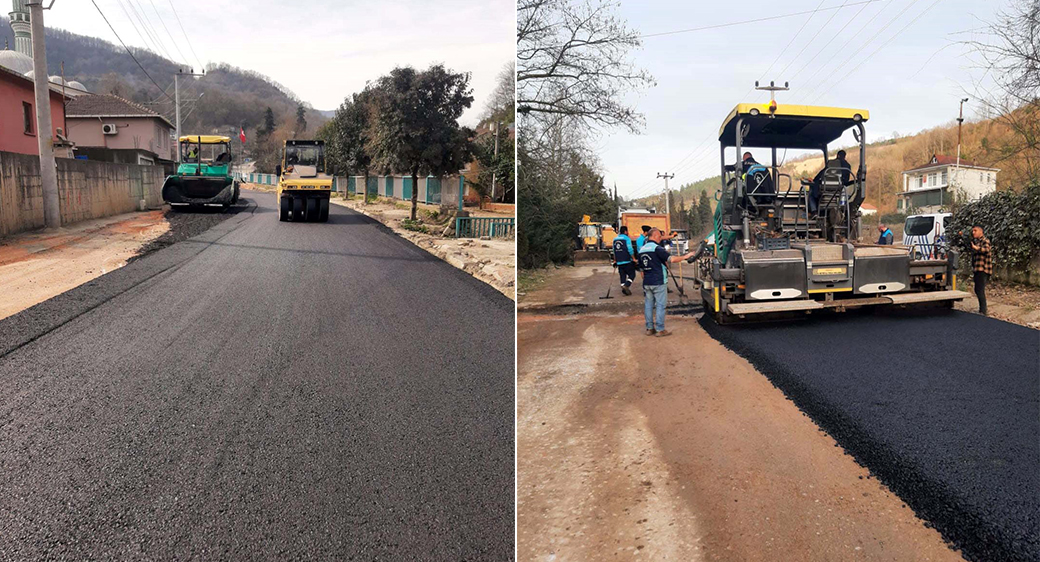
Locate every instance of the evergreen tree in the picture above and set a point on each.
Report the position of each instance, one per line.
(704, 212)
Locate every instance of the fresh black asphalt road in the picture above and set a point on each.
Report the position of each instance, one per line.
(263, 391)
(944, 408)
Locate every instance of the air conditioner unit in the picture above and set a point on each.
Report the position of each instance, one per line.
(109, 128)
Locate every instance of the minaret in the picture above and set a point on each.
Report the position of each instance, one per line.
(19, 18)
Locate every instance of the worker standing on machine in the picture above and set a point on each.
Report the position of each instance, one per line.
(653, 262)
(886, 237)
(624, 253)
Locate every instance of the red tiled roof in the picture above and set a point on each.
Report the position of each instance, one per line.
(943, 160)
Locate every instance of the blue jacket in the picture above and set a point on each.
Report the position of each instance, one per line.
(652, 260)
(640, 242)
(623, 250)
(886, 237)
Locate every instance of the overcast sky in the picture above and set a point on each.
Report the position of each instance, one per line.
(913, 83)
(322, 50)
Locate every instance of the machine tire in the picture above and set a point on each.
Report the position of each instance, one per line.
(323, 211)
(297, 209)
(283, 209)
(312, 209)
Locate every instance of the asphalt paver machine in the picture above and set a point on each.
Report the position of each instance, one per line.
(781, 247)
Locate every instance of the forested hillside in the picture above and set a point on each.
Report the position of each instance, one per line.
(230, 97)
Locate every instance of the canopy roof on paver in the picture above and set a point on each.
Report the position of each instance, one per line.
(205, 139)
(789, 126)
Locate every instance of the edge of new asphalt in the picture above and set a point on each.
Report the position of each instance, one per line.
(36, 321)
(979, 531)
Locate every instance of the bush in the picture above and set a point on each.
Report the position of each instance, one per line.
(1011, 221)
(414, 226)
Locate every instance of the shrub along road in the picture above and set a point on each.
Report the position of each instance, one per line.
(944, 408)
(264, 390)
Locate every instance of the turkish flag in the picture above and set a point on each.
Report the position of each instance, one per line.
(241, 134)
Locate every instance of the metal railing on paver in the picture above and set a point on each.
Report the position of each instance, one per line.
(477, 227)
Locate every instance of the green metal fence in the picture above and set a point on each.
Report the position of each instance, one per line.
(478, 227)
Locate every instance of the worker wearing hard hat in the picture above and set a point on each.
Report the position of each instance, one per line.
(624, 253)
(653, 262)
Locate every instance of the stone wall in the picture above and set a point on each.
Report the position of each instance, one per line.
(87, 190)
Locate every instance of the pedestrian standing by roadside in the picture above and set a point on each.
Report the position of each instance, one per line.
(981, 265)
(623, 256)
(653, 262)
(642, 238)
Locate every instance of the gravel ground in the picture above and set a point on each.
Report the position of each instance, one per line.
(185, 225)
(943, 408)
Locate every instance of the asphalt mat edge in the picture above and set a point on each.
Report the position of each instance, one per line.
(933, 501)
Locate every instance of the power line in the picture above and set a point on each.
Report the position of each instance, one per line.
(789, 43)
(822, 49)
(815, 35)
(128, 51)
(168, 34)
(186, 39)
(151, 29)
(842, 48)
(131, 20)
(757, 20)
(883, 45)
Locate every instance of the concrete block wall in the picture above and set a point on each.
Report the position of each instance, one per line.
(87, 190)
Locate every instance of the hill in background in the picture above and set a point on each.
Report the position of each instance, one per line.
(231, 97)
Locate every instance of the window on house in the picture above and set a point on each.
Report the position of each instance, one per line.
(920, 181)
(945, 177)
(980, 177)
(27, 117)
(931, 180)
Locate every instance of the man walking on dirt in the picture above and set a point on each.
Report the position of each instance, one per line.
(623, 256)
(981, 265)
(653, 262)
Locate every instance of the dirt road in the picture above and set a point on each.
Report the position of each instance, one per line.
(677, 449)
(35, 266)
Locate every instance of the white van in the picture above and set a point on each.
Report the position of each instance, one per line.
(926, 235)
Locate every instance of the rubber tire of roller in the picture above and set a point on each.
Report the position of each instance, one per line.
(323, 210)
(283, 209)
(297, 209)
(312, 209)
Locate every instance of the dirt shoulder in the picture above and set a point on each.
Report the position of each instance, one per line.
(35, 266)
(677, 449)
(491, 261)
(1018, 304)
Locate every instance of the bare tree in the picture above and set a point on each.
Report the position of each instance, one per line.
(572, 60)
(1011, 55)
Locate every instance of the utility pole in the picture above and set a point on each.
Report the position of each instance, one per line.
(177, 99)
(957, 170)
(44, 126)
(494, 129)
(667, 195)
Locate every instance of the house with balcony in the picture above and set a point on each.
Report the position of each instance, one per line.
(936, 184)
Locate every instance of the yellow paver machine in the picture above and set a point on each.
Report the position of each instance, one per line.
(781, 249)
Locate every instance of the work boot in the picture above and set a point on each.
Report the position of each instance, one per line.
(663, 333)
(626, 290)
(651, 332)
